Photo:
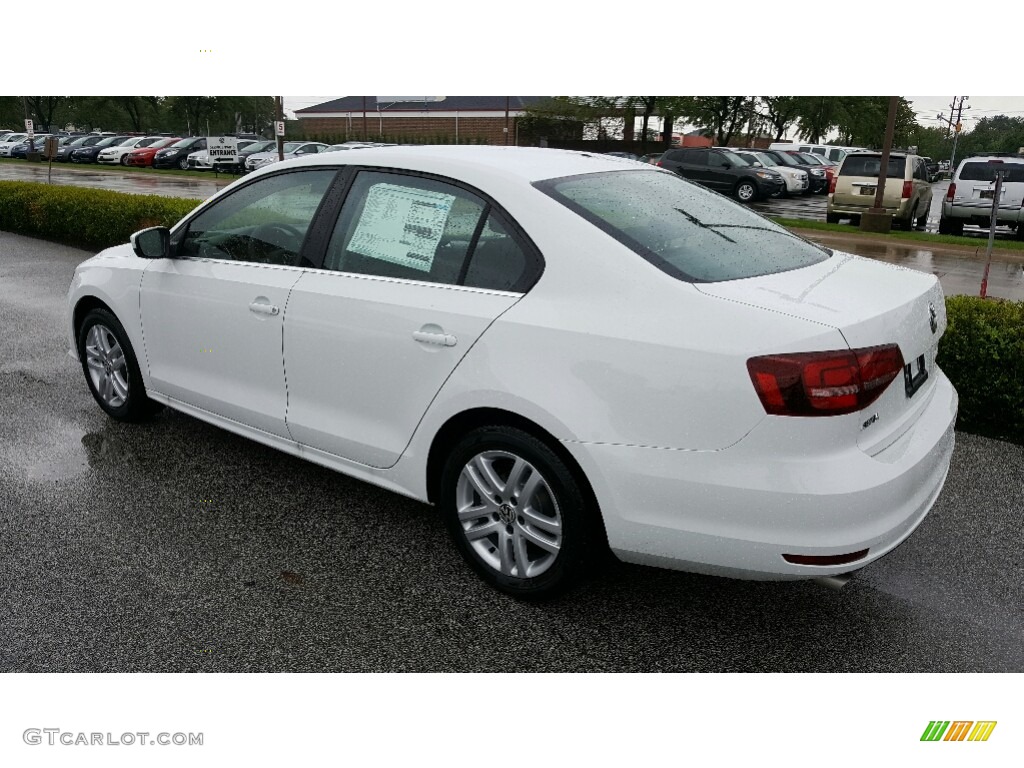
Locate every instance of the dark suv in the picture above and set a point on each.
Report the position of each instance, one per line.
(723, 171)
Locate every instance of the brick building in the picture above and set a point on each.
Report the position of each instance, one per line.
(455, 119)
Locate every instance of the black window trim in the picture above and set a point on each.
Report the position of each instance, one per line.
(535, 263)
(547, 186)
(305, 251)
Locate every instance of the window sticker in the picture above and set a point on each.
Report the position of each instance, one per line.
(402, 225)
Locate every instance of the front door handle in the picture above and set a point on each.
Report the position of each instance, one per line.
(440, 339)
(263, 308)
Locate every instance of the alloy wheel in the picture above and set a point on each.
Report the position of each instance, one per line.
(508, 514)
(108, 369)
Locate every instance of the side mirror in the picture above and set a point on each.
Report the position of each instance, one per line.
(152, 243)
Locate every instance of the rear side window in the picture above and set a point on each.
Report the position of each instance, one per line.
(869, 166)
(415, 228)
(683, 229)
(1012, 172)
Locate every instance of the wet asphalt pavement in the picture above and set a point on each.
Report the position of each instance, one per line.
(176, 546)
(109, 177)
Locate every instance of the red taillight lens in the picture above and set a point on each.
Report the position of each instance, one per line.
(908, 189)
(951, 191)
(824, 383)
(832, 185)
(660, 165)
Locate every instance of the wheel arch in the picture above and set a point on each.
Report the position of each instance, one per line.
(462, 423)
(83, 307)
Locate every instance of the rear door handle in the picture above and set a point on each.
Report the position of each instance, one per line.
(262, 308)
(440, 339)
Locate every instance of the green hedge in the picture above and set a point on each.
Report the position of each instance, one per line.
(87, 218)
(982, 352)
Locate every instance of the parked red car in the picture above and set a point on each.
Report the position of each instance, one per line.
(143, 156)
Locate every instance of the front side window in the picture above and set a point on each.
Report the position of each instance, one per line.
(264, 222)
(683, 229)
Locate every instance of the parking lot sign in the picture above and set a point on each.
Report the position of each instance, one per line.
(222, 149)
(279, 128)
(30, 128)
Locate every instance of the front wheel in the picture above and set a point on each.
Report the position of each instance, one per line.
(746, 192)
(111, 368)
(124, 160)
(183, 164)
(517, 513)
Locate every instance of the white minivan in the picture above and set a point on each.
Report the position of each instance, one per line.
(825, 150)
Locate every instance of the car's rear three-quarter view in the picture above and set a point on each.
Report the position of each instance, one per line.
(564, 353)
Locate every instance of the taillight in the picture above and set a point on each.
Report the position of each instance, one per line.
(951, 191)
(660, 165)
(832, 185)
(908, 189)
(824, 383)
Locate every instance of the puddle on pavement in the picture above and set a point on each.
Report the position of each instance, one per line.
(958, 274)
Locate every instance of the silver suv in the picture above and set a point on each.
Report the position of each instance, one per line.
(969, 197)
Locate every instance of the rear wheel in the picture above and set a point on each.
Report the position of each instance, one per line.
(922, 222)
(951, 227)
(907, 224)
(517, 513)
(832, 218)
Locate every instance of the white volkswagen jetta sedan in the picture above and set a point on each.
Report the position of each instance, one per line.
(562, 352)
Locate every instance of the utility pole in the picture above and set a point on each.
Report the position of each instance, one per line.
(280, 117)
(959, 111)
(992, 229)
(506, 121)
(875, 219)
(366, 130)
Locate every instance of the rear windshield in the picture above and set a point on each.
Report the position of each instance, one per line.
(682, 228)
(869, 165)
(987, 171)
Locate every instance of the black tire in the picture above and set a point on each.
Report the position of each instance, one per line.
(907, 224)
(582, 539)
(951, 227)
(746, 191)
(136, 406)
(124, 159)
(1020, 232)
(922, 222)
(832, 218)
(183, 164)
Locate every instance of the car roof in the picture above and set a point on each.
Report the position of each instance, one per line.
(482, 163)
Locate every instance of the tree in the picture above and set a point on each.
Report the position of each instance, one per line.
(44, 109)
(779, 113)
(721, 114)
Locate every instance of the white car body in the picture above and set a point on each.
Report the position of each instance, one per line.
(260, 159)
(114, 155)
(797, 181)
(200, 160)
(639, 376)
(11, 142)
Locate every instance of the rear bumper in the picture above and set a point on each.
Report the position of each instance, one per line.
(735, 512)
(982, 214)
(848, 208)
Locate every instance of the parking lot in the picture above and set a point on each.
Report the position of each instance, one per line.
(177, 546)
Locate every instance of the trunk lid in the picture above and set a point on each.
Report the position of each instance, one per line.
(871, 303)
